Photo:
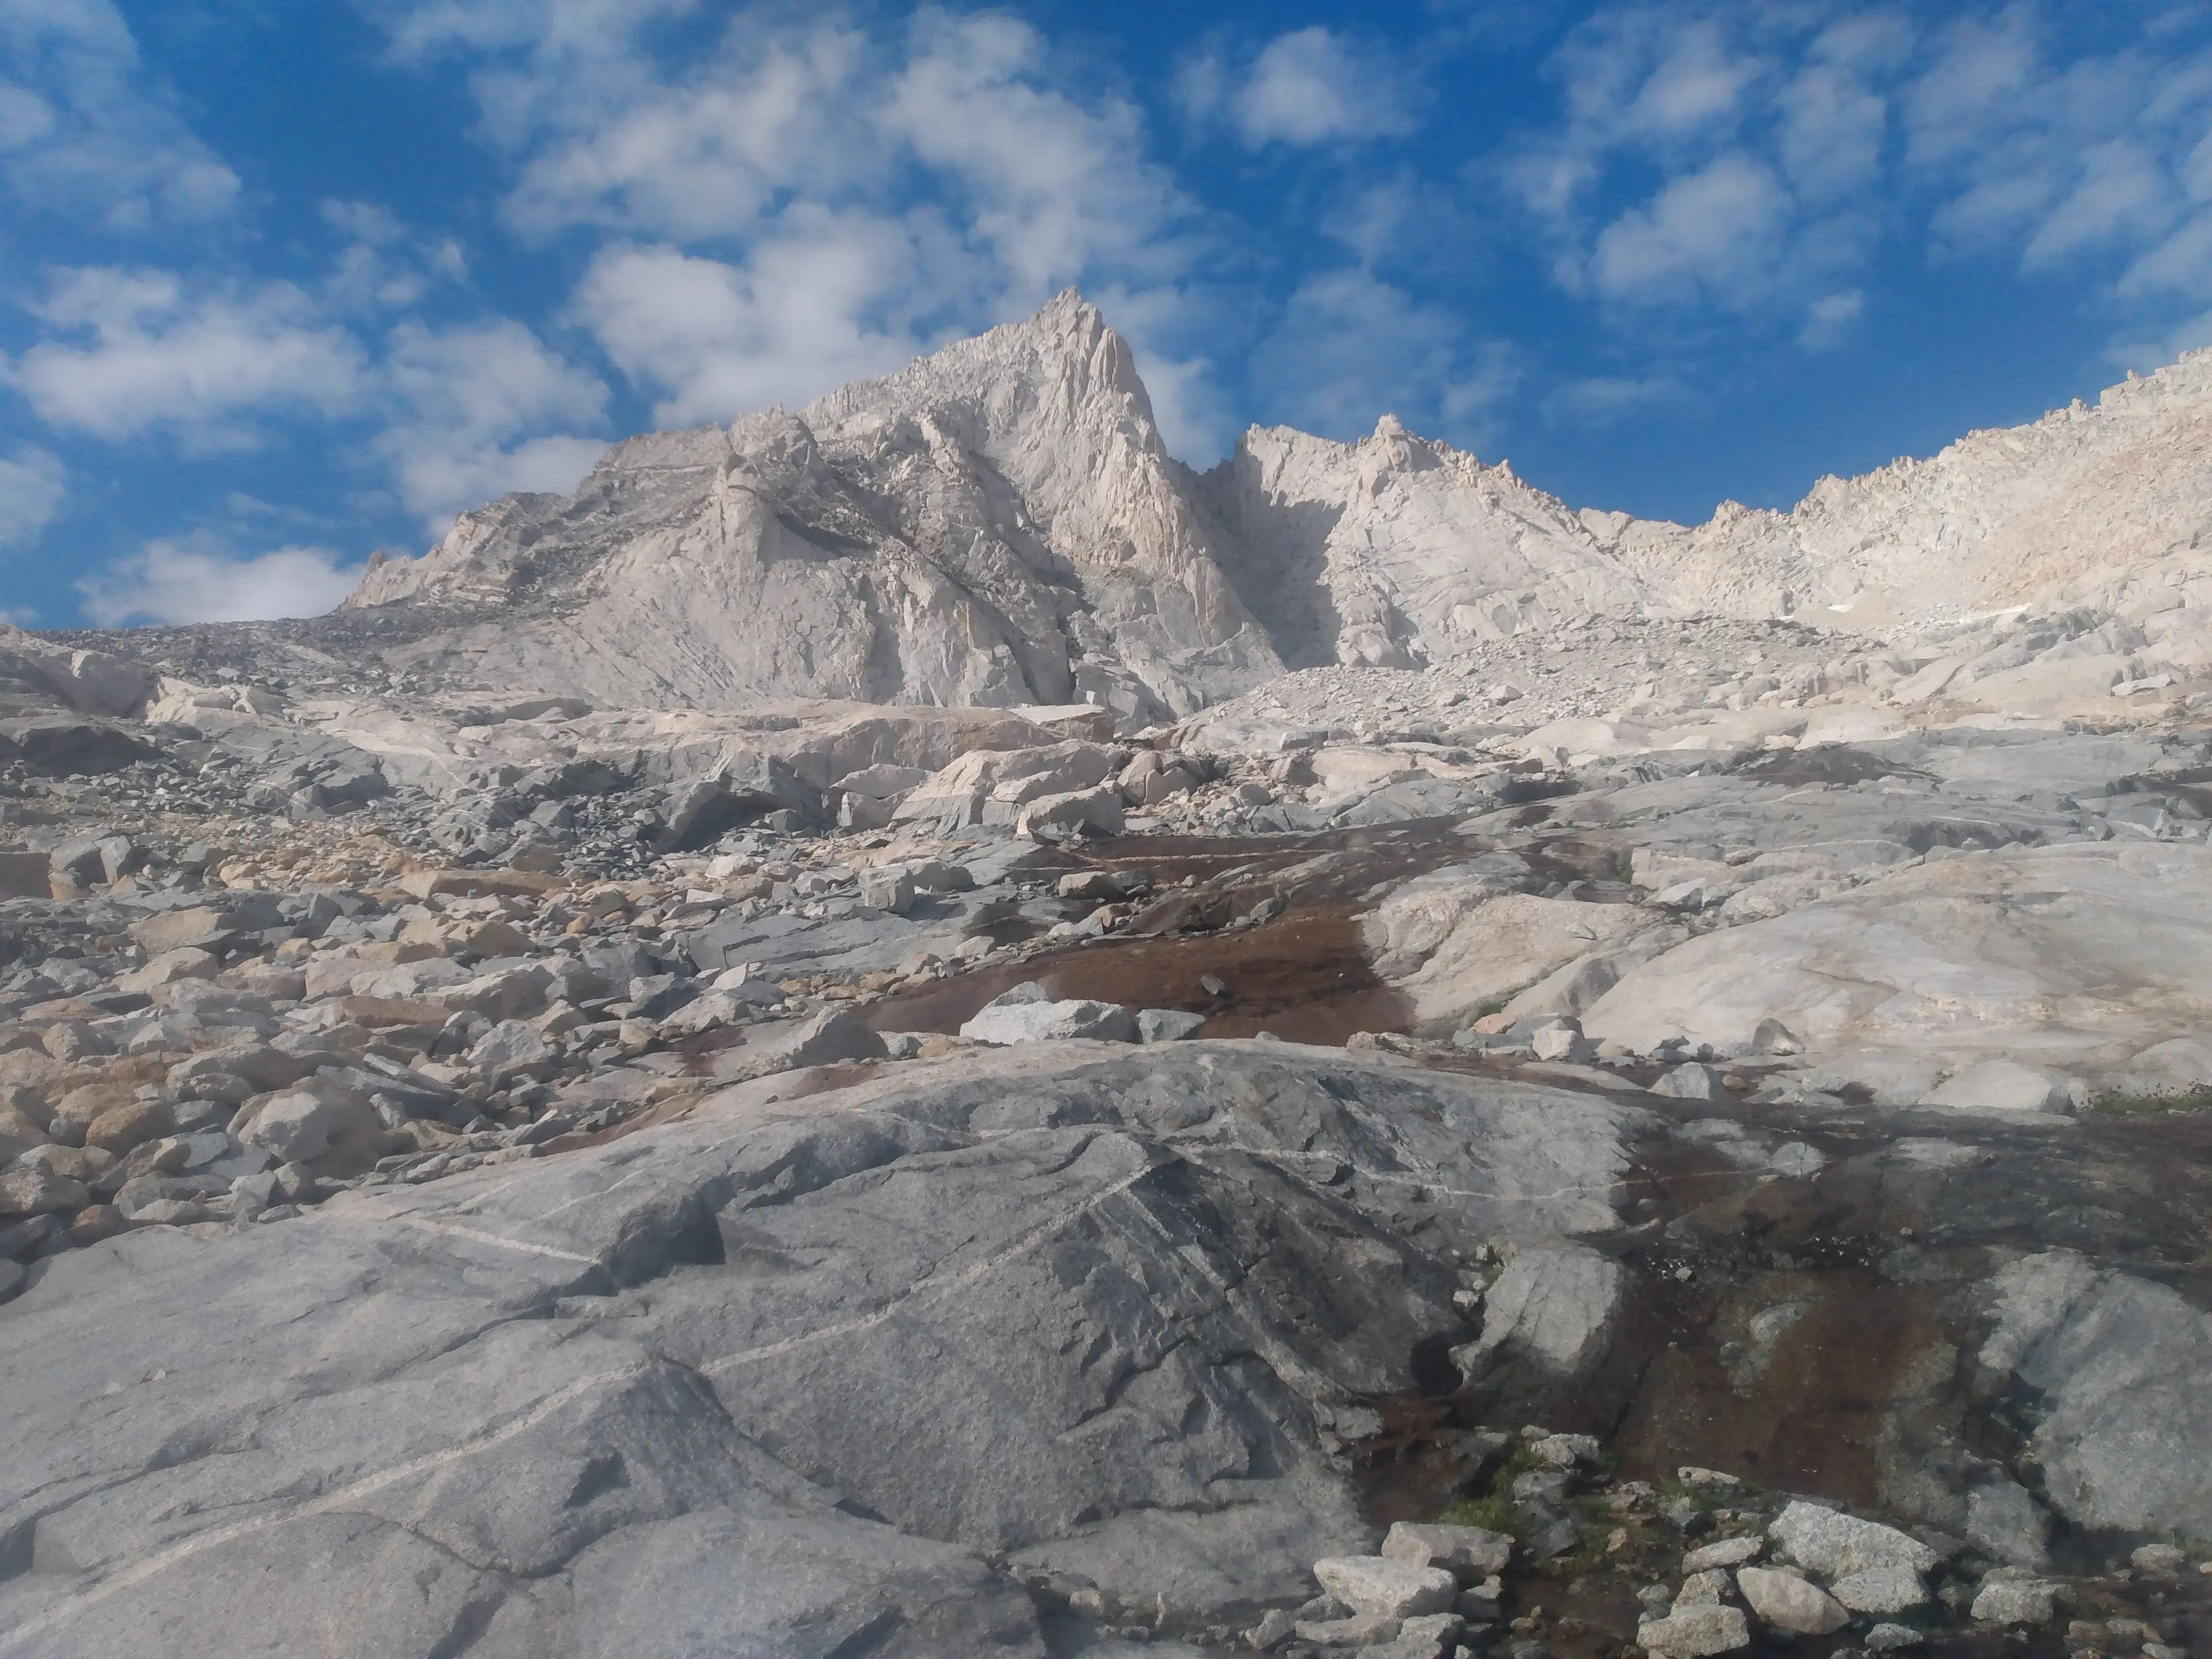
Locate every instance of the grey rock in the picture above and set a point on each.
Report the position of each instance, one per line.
(2159, 1560)
(2015, 1601)
(1549, 1312)
(1430, 1636)
(829, 1038)
(1471, 1554)
(1382, 1588)
(1691, 1081)
(1787, 1602)
(1693, 1632)
(2126, 1425)
(1895, 1588)
(2008, 1524)
(1167, 1024)
(1020, 1017)
(1893, 1638)
(1727, 1553)
(638, 1348)
(1829, 1543)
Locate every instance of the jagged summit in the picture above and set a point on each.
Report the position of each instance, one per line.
(999, 522)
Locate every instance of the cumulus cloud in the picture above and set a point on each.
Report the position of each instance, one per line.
(381, 265)
(82, 131)
(148, 353)
(1714, 233)
(806, 201)
(1606, 399)
(33, 484)
(1767, 154)
(1353, 347)
(709, 157)
(1829, 320)
(1310, 86)
(1056, 189)
(196, 579)
(721, 340)
(476, 403)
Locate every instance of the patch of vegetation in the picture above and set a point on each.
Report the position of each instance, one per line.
(1493, 1006)
(1492, 1513)
(2198, 1099)
(1494, 1508)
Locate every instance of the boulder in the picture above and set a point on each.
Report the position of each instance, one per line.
(1695, 1632)
(887, 888)
(1896, 1588)
(2002, 1085)
(1167, 1024)
(833, 1035)
(1833, 1543)
(1384, 1587)
(1787, 1602)
(1691, 1081)
(1471, 1554)
(2015, 1601)
(120, 1128)
(311, 1121)
(1727, 1553)
(1549, 1313)
(199, 927)
(188, 961)
(1049, 816)
(30, 1189)
(1021, 1016)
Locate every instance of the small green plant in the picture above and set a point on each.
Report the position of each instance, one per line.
(1494, 1508)
(2121, 1104)
(1493, 1514)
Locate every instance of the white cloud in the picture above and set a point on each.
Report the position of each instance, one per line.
(196, 581)
(1351, 348)
(2193, 334)
(383, 265)
(1312, 85)
(82, 134)
(708, 158)
(158, 355)
(33, 484)
(723, 340)
(2079, 161)
(2122, 195)
(2181, 264)
(1056, 191)
(1604, 400)
(1716, 233)
(476, 402)
(1832, 128)
(1829, 318)
(807, 201)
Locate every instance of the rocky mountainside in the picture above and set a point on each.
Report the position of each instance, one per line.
(1001, 524)
(907, 1031)
(997, 524)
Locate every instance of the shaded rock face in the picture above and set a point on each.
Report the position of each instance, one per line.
(781, 1366)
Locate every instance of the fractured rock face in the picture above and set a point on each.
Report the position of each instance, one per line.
(975, 529)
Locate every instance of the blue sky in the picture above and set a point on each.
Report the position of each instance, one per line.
(280, 283)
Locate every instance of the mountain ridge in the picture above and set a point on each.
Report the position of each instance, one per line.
(1000, 522)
